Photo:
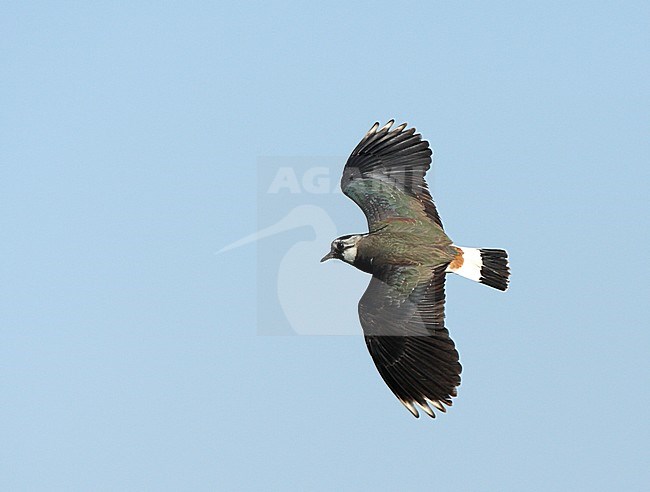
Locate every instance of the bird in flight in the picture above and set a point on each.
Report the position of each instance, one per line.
(408, 255)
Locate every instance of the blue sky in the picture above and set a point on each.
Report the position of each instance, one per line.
(132, 137)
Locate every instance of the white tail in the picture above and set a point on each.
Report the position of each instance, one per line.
(487, 266)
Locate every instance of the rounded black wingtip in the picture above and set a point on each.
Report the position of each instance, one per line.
(373, 128)
(387, 125)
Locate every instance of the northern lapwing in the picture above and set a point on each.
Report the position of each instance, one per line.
(408, 255)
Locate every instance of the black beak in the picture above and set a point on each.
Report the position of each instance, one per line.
(328, 256)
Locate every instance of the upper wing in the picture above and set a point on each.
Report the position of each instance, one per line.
(384, 175)
(402, 315)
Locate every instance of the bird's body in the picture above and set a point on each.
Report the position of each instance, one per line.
(394, 244)
(408, 255)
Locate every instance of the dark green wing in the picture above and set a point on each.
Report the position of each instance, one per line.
(384, 175)
(402, 315)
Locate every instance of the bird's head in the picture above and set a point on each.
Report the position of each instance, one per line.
(344, 248)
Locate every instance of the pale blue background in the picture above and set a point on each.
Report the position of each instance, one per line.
(129, 137)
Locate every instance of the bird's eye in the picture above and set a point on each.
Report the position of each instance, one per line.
(340, 246)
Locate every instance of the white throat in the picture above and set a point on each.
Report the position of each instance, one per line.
(350, 254)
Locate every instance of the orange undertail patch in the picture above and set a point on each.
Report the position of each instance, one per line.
(458, 261)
